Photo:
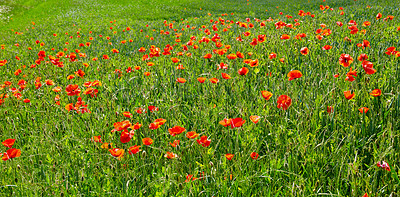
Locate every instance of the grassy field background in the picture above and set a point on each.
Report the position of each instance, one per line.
(304, 151)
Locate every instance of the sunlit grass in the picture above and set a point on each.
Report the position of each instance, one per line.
(316, 143)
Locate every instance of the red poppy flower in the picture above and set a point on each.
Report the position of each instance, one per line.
(175, 60)
(229, 156)
(176, 130)
(126, 136)
(266, 94)
(362, 57)
(152, 108)
(119, 126)
(225, 76)
(170, 155)
(134, 149)
(175, 143)
(294, 74)
(192, 134)
(253, 63)
(326, 47)
(383, 165)
(154, 125)
(363, 109)
(72, 90)
(254, 155)
(348, 95)
(96, 139)
(207, 56)
(147, 141)
(11, 153)
(368, 67)
(214, 80)
(237, 122)
(204, 141)
(181, 80)
(255, 119)
(201, 79)
(8, 143)
(345, 60)
(127, 114)
(284, 102)
(376, 92)
(285, 37)
(243, 71)
(378, 16)
(116, 152)
(160, 121)
(304, 51)
(225, 122)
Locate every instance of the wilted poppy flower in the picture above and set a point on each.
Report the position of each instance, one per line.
(284, 102)
(107, 145)
(229, 156)
(368, 67)
(8, 143)
(294, 74)
(147, 141)
(11, 153)
(192, 134)
(329, 109)
(190, 177)
(255, 119)
(348, 95)
(181, 80)
(243, 71)
(127, 114)
(72, 90)
(214, 80)
(304, 51)
(237, 122)
(351, 74)
(345, 60)
(116, 152)
(363, 109)
(176, 130)
(254, 155)
(376, 93)
(175, 143)
(170, 155)
(383, 165)
(204, 141)
(266, 94)
(134, 149)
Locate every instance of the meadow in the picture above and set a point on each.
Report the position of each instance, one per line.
(199, 98)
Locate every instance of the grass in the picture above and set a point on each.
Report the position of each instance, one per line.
(303, 151)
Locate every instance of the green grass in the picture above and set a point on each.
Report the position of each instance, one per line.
(304, 151)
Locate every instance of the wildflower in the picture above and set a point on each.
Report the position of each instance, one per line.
(284, 102)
